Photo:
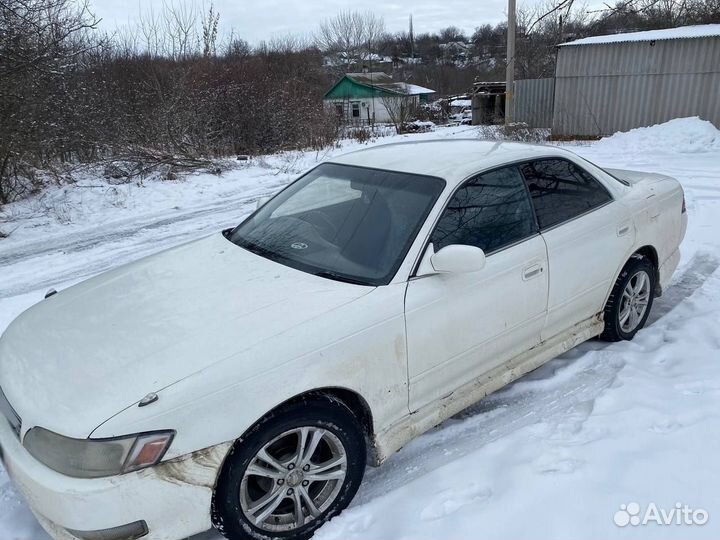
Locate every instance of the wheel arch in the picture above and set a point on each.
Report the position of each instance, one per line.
(649, 252)
(350, 398)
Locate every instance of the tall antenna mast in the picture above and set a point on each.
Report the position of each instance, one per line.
(412, 40)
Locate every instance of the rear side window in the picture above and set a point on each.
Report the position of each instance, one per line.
(490, 211)
(561, 190)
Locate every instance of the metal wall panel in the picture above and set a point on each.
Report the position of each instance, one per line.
(533, 102)
(604, 88)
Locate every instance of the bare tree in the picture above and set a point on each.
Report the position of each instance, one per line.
(180, 29)
(42, 43)
(401, 109)
(451, 33)
(540, 28)
(236, 47)
(34, 33)
(352, 36)
(172, 32)
(210, 23)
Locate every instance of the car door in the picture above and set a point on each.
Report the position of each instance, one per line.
(461, 325)
(588, 236)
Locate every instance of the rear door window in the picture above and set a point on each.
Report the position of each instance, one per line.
(561, 190)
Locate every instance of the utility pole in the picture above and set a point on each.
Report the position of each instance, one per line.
(510, 72)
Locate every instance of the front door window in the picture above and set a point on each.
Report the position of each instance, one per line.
(490, 211)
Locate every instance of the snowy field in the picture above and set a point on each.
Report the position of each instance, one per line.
(554, 456)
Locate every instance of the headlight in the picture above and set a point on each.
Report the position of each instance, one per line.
(95, 458)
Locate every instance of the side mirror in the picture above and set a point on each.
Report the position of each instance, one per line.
(261, 202)
(458, 259)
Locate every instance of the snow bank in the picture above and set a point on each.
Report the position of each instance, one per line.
(683, 135)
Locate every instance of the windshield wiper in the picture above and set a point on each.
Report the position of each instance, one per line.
(344, 279)
(258, 250)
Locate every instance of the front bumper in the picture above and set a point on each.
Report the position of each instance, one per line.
(172, 498)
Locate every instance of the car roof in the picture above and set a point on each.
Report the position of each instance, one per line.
(451, 159)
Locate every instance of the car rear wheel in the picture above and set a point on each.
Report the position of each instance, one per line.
(631, 299)
(294, 470)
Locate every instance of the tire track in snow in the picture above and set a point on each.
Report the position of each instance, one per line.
(123, 229)
(52, 262)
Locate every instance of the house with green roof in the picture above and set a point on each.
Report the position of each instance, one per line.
(359, 98)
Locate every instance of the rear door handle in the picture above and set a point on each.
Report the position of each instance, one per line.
(532, 271)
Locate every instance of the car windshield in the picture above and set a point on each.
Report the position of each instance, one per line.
(351, 224)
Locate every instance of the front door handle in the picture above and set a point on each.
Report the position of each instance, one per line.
(532, 271)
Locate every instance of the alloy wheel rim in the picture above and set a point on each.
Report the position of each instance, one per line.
(293, 479)
(634, 301)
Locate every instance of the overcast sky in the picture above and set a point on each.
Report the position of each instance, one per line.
(256, 20)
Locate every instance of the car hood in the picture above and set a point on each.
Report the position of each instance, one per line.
(81, 356)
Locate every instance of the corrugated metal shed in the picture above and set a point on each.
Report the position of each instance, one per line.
(606, 86)
(533, 102)
(681, 32)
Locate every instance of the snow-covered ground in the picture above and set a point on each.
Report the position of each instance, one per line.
(555, 455)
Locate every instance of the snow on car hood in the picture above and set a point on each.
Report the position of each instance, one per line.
(77, 358)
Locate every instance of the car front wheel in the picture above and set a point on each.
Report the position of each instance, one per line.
(294, 470)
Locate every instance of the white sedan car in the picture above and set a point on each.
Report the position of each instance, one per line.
(244, 380)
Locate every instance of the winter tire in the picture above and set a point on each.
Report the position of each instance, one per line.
(630, 301)
(295, 469)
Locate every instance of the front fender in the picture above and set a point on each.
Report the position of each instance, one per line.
(359, 347)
